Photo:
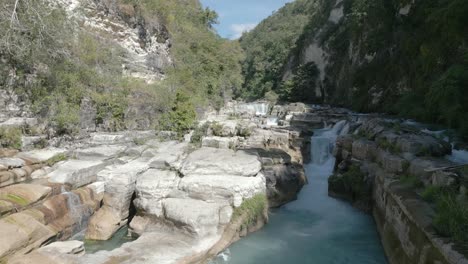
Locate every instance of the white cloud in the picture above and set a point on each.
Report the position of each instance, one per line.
(238, 29)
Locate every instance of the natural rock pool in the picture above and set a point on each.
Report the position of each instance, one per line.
(314, 229)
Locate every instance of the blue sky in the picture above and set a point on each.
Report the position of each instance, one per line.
(236, 16)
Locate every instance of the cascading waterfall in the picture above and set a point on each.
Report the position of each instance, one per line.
(272, 121)
(316, 228)
(79, 212)
(258, 109)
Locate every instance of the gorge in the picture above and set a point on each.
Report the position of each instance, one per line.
(131, 132)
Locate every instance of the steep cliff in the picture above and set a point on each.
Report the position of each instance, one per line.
(394, 56)
(107, 65)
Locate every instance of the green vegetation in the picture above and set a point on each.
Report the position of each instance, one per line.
(301, 87)
(452, 217)
(15, 199)
(217, 129)
(207, 66)
(10, 137)
(411, 181)
(389, 146)
(251, 209)
(199, 132)
(376, 57)
(352, 185)
(56, 159)
(243, 131)
(268, 46)
(70, 65)
(182, 116)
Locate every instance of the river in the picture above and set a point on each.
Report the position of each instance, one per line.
(315, 229)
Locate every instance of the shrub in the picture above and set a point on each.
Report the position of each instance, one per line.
(452, 217)
(251, 208)
(217, 129)
(10, 137)
(199, 133)
(66, 118)
(243, 131)
(389, 146)
(431, 193)
(411, 181)
(55, 159)
(181, 117)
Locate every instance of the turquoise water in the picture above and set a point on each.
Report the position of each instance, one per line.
(117, 240)
(315, 229)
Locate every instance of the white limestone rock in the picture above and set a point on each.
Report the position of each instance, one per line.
(212, 161)
(229, 188)
(153, 186)
(76, 173)
(72, 247)
(219, 142)
(41, 155)
(197, 217)
(99, 153)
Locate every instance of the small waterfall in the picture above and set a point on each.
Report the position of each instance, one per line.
(258, 109)
(315, 228)
(79, 212)
(272, 121)
(323, 142)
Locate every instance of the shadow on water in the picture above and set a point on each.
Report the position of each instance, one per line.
(315, 229)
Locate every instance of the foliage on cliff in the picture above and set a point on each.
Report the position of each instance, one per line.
(267, 47)
(54, 64)
(394, 56)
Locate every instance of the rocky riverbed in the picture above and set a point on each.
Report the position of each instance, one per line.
(183, 201)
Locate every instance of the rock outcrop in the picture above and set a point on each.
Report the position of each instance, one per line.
(384, 168)
(188, 201)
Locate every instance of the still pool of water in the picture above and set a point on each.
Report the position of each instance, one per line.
(315, 229)
(117, 240)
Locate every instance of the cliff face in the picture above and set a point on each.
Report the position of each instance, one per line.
(390, 56)
(403, 178)
(80, 66)
(146, 43)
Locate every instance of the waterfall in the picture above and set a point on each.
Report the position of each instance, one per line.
(258, 109)
(272, 121)
(323, 142)
(315, 228)
(79, 212)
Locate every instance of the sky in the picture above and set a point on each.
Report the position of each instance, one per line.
(237, 16)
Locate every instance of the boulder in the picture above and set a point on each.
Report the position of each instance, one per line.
(41, 155)
(12, 162)
(167, 155)
(220, 142)
(392, 163)
(364, 149)
(229, 128)
(421, 167)
(423, 145)
(119, 188)
(197, 217)
(372, 128)
(152, 187)
(76, 173)
(22, 195)
(211, 161)
(22, 232)
(229, 188)
(345, 142)
(104, 223)
(283, 183)
(444, 178)
(99, 153)
(72, 247)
